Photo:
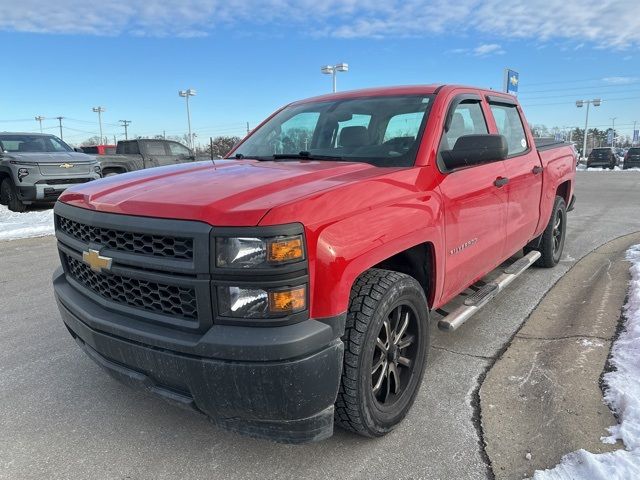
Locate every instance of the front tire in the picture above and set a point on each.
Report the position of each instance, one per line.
(386, 342)
(9, 194)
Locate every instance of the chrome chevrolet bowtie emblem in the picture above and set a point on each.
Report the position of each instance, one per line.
(66, 165)
(96, 262)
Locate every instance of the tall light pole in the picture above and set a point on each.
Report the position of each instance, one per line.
(633, 134)
(39, 119)
(125, 124)
(190, 92)
(99, 111)
(333, 71)
(580, 103)
(613, 131)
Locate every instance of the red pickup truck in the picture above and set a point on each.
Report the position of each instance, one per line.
(290, 286)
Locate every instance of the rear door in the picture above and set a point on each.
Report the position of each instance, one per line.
(524, 171)
(475, 207)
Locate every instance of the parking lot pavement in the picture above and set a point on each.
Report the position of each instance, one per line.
(62, 417)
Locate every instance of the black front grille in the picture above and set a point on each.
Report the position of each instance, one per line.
(140, 243)
(150, 296)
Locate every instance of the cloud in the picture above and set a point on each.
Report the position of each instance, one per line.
(620, 80)
(483, 50)
(488, 49)
(595, 22)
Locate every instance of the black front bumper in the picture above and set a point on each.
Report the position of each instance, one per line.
(278, 383)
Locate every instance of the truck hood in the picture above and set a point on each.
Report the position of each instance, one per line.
(229, 193)
(50, 157)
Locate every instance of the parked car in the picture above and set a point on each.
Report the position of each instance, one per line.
(604, 157)
(290, 285)
(632, 158)
(99, 149)
(144, 153)
(36, 168)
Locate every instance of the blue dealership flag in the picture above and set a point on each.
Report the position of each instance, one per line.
(511, 81)
(636, 136)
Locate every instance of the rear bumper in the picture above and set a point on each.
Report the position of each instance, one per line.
(631, 164)
(287, 395)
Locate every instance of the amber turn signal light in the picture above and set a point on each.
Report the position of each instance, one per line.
(286, 250)
(288, 301)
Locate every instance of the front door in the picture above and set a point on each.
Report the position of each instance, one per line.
(476, 207)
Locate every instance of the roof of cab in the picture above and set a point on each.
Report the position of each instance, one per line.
(398, 90)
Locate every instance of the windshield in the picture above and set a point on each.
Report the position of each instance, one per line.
(383, 131)
(32, 143)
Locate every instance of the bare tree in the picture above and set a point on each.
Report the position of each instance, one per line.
(222, 145)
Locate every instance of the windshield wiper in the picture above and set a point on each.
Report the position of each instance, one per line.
(304, 155)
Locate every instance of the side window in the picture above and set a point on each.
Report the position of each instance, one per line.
(467, 119)
(155, 148)
(178, 150)
(510, 125)
(131, 148)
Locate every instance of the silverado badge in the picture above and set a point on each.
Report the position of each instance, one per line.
(96, 262)
(66, 165)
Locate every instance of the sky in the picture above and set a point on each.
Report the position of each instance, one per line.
(247, 58)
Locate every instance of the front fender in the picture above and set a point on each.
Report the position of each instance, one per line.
(347, 248)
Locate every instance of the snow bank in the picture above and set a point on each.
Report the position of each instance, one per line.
(22, 225)
(623, 396)
(583, 168)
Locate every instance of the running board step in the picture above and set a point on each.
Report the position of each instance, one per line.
(481, 297)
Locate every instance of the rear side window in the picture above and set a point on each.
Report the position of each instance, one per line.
(131, 148)
(510, 125)
(634, 151)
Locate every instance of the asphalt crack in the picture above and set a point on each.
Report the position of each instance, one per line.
(483, 357)
(564, 337)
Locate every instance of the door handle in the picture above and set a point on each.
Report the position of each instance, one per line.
(537, 170)
(501, 182)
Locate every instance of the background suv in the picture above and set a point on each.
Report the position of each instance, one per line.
(37, 168)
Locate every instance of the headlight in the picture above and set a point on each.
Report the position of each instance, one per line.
(22, 172)
(249, 252)
(250, 302)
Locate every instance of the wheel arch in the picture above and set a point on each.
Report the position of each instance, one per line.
(564, 190)
(418, 262)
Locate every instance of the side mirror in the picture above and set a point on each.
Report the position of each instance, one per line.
(471, 150)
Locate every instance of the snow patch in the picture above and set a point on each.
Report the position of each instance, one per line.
(22, 225)
(622, 387)
(583, 168)
(590, 343)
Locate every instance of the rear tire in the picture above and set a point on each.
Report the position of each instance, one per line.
(8, 192)
(551, 242)
(386, 341)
